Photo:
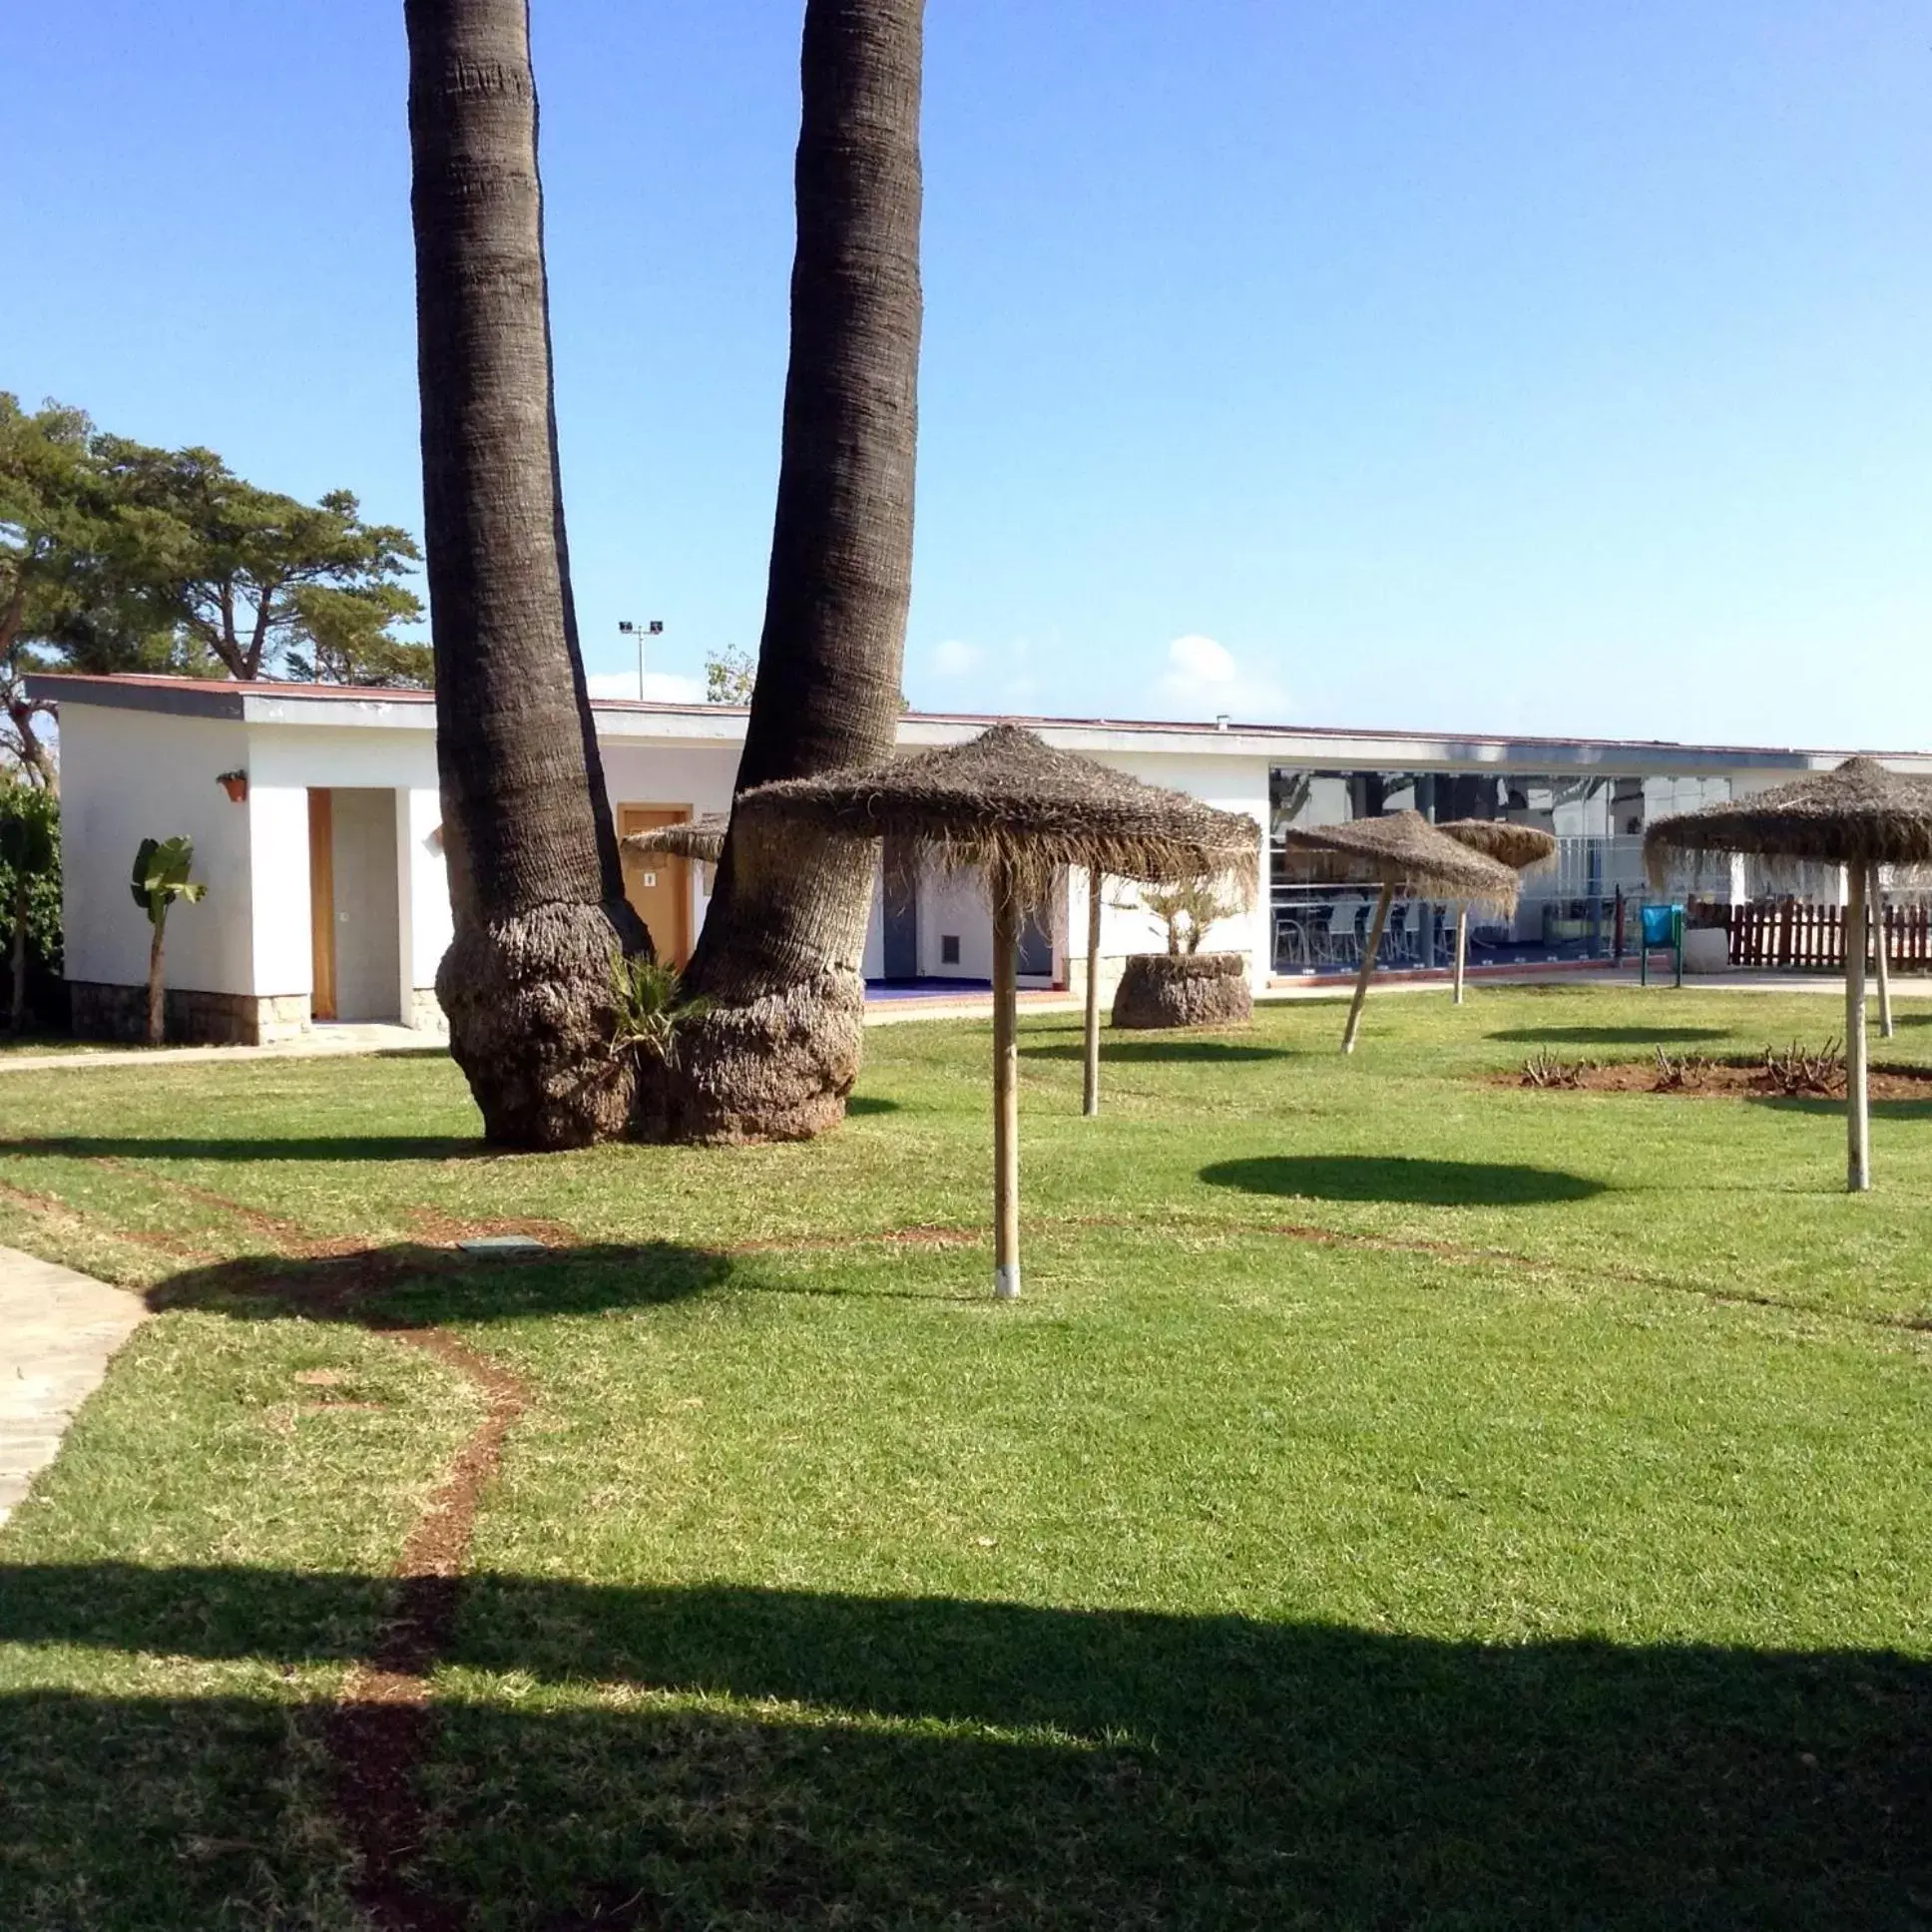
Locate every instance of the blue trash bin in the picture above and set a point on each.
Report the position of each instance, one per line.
(1663, 925)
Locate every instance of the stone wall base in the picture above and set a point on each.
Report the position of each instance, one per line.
(194, 1018)
(426, 1011)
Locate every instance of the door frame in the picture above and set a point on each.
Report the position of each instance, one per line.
(321, 903)
(647, 815)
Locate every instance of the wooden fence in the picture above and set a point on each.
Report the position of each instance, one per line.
(1796, 936)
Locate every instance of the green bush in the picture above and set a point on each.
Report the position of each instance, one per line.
(30, 844)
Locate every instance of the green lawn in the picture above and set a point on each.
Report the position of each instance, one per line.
(1401, 1499)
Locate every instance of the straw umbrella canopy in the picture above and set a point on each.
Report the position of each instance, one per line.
(700, 839)
(1520, 848)
(1860, 817)
(1401, 852)
(1017, 810)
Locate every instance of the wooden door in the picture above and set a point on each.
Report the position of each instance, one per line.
(658, 886)
(321, 903)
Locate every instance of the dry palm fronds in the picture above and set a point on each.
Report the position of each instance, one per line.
(1858, 815)
(1517, 846)
(1403, 850)
(1010, 806)
(700, 839)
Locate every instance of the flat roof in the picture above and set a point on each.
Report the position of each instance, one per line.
(358, 707)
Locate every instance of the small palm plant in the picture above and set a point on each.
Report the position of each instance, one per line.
(1188, 912)
(161, 877)
(650, 1007)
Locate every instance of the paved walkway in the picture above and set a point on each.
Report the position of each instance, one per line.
(57, 1332)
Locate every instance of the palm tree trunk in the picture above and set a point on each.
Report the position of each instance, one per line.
(157, 996)
(777, 1050)
(535, 882)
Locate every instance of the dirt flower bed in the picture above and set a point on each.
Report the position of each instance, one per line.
(1770, 1076)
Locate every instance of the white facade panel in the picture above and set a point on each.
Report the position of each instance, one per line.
(126, 776)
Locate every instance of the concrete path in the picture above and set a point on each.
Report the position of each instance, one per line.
(57, 1332)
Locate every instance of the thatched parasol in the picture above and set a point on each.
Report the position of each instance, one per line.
(1520, 848)
(1402, 852)
(1017, 810)
(1860, 817)
(702, 838)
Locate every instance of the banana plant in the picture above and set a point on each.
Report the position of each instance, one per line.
(160, 879)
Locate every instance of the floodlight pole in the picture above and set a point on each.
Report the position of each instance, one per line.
(1090, 1085)
(1462, 945)
(1005, 1090)
(1880, 939)
(1369, 951)
(1857, 1114)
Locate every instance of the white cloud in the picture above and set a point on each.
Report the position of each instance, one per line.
(955, 658)
(1203, 678)
(660, 686)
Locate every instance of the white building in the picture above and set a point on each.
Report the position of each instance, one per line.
(316, 827)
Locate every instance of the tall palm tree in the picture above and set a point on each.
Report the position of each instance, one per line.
(535, 880)
(776, 1048)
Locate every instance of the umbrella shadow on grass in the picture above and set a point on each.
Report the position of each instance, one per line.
(1880, 1110)
(772, 1757)
(1400, 1179)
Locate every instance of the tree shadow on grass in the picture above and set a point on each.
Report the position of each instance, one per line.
(418, 1285)
(1182, 1051)
(926, 1761)
(1607, 1036)
(1400, 1179)
(317, 1147)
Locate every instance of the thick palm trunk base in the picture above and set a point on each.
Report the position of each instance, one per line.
(532, 1023)
(777, 1068)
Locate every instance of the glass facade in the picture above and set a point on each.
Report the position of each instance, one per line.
(1574, 908)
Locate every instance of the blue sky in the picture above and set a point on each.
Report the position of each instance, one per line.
(1472, 366)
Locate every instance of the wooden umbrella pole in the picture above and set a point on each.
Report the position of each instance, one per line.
(1090, 1087)
(1462, 946)
(1879, 940)
(1373, 946)
(1857, 1115)
(1006, 1092)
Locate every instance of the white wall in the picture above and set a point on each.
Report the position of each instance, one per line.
(424, 886)
(1225, 783)
(128, 775)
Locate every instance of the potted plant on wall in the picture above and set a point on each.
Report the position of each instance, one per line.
(235, 783)
(161, 877)
(1184, 986)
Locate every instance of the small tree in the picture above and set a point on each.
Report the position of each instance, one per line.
(161, 876)
(1188, 912)
(29, 849)
(728, 676)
